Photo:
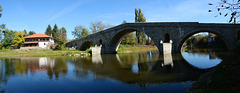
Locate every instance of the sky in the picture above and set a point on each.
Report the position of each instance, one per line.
(36, 15)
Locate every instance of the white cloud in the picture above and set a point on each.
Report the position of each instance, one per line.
(66, 10)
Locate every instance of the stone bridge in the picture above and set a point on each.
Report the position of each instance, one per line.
(178, 32)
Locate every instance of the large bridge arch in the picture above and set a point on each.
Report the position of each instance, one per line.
(116, 39)
(222, 35)
(85, 45)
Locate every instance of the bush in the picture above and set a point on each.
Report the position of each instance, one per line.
(59, 47)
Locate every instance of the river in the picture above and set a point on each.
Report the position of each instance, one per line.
(118, 73)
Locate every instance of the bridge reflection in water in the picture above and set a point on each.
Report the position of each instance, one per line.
(141, 69)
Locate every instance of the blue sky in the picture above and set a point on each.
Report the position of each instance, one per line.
(35, 15)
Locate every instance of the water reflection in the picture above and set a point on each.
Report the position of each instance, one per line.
(126, 72)
(167, 60)
(97, 59)
(203, 58)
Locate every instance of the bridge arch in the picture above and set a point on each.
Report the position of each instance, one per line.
(85, 45)
(218, 33)
(117, 38)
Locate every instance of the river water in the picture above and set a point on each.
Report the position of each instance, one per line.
(142, 72)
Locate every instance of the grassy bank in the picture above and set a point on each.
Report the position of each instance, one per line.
(49, 52)
(136, 48)
(42, 52)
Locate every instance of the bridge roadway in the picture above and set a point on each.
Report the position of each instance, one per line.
(178, 32)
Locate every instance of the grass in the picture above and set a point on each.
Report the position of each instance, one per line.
(40, 53)
(136, 48)
(67, 52)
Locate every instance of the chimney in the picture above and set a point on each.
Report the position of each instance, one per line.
(51, 34)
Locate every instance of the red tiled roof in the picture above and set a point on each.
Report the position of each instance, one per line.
(36, 36)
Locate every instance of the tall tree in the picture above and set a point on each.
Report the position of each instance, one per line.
(228, 8)
(80, 31)
(97, 26)
(31, 33)
(49, 30)
(139, 17)
(19, 38)
(60, 37)
(55, 31)
(63, 35)
(25, 32)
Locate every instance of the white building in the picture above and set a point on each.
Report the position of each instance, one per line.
(38, 41)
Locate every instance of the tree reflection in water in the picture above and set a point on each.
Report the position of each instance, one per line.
(132, 69)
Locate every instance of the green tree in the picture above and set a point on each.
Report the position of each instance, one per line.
(80, 31)
(63, 35)
(49, 30)
(55, 31)
(1, 31)
(19, 38)
(228, 8)
(8, 38)
(61, 38)
(98, 26)
(31, 33)
(25, 32)
(139, 17)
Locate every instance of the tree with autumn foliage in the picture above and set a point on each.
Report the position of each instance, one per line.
(19, 38)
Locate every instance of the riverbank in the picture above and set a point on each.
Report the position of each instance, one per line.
(136, 48)
(224, 78)
(41, 53)
(49, 52)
